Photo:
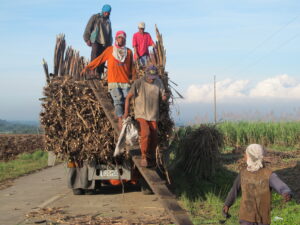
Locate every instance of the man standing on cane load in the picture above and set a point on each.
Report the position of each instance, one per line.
(147, 92)
(140, 42)
(98, 34)
(120, 70)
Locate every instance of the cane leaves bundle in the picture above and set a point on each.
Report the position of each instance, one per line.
(196, 150)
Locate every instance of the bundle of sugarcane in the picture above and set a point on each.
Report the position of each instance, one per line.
(74, 122)
(75, 125)
(197, 150)
(59, 54)
(165, 123)
(66, 62)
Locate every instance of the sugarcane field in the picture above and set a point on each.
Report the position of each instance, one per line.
(149, 112)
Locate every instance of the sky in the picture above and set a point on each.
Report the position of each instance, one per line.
(251, 46)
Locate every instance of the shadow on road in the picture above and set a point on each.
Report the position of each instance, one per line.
(118, 189)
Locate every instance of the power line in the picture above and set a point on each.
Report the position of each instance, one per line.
(265, 40)
(273, 34)
(272, 50)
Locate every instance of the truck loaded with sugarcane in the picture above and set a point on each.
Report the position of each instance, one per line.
(82, 127)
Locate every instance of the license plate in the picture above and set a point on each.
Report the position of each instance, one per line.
(109, 173)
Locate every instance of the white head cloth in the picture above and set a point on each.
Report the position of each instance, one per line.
(255, 155)
(141, 25)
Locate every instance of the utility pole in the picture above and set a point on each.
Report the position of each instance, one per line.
(215, 101)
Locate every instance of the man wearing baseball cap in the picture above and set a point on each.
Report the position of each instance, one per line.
(140, 42)
(120, 71)
(98, 34)
(147, 92)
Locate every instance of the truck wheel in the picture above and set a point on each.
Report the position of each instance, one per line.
(98, 185)
(145, 188)
(78, 191)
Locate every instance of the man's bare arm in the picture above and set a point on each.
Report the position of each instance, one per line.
(127, 103)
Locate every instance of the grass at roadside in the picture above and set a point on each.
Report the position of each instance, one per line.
(24, 163)
(282, 148)
(204, 200)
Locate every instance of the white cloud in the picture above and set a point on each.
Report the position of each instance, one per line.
(282, 86)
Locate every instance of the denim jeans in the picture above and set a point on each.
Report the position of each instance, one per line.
(118, 95)
(143, 60)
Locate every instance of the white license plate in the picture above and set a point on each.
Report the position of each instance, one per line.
(109, 173)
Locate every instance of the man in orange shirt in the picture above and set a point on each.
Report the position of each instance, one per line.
(120, 70)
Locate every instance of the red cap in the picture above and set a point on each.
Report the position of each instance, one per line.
(121, 33)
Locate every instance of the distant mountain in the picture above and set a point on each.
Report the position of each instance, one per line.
(19, 127)
(26, 122)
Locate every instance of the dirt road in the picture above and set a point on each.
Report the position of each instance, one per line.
(45, 198)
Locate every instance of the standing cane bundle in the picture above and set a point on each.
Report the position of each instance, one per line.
(197, 150)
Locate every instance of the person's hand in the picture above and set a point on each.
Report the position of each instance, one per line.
(166, 96)
(225, 211)
(286, 197)
(89, 43)
(125, 115)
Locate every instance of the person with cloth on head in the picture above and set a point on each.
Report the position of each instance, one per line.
(98, 34)
(255, 182)
(147, 92)
(140, 42)
(120, 70)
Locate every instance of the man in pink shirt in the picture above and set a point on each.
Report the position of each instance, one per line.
(140, 42)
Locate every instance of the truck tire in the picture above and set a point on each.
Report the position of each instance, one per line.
(98, 185)
(78, 191)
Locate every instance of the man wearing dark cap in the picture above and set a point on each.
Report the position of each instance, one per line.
(147, 92)
(98, 34)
